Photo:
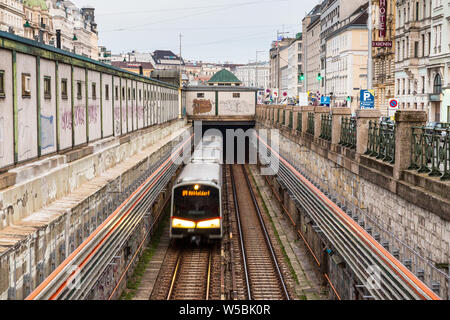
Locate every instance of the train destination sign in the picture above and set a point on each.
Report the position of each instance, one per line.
(195, 193)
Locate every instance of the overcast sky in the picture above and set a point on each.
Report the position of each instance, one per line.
(213, 30)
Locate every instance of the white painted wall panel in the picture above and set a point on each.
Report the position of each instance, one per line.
(6, 112)
(27, 109)
(79, 76)
(94, 115)
(48, 108)
(107, 106)
(65, 107)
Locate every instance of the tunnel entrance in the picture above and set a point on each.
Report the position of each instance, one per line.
(240, 130)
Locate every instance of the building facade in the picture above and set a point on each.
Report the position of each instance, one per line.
(439, 62)
(333, 13)
(413, 41)
(254, 75)
(383, 52)
(38, 22)
(346, 60)
(311, 53)
(12, 16)
(295, 67)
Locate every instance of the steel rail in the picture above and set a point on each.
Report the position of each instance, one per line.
(241, 239)
(174, 277)
(113, 243)
(208, 280)
(394, 271)
(121, 219)
(109, 247)
(266, 234)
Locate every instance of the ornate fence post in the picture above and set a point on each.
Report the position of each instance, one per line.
(362, 128)
(338, 114)
(405, 121)
(319, 111)
(305, 111)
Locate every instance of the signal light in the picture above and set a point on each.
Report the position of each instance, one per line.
(301, 77)
(319, 77)
(349, 98)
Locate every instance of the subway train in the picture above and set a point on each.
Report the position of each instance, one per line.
(196, 205)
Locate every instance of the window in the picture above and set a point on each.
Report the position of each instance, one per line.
(94, 91)
(437, 86)
(416, 49)
(64, 94)
(129, 93)
(26, 85)
(134, 94)
(200, 95)
(107, 91)
(236, 95)
(116, 93)
(2, 84)
(47, 87)
(79, 90)
(140, 95)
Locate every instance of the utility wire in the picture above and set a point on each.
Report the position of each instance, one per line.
(191, 15)
(187, 8)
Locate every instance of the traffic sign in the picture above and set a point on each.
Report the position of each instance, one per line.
(392, 107)
(393, 104)
(325, 100)
(367, 99)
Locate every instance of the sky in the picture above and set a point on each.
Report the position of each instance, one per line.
(212, 30)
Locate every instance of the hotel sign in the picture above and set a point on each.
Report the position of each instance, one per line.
(382, 44)
(383, 8)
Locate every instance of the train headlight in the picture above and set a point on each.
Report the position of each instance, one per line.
(184, 224)
(209, 224)
(196, 187)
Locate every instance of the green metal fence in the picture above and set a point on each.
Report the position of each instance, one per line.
(310, 128)
(299, 122)
(430, 151)
(348, 133)
(291, 119)
(381, 142)
(325, 128)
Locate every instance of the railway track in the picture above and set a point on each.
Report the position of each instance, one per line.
(189, 273)
(263, 276)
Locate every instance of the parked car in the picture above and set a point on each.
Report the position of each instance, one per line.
(440, 126)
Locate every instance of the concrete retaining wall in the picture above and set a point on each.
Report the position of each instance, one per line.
(68, 202)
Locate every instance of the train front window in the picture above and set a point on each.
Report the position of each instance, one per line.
(196, 203)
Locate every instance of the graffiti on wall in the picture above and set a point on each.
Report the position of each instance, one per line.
(25, 136)
(93, 114)
(117, 120)
(235, 107)
(201, 106)
(47, 132)
(80, 116)
(66, 120)
(140, 112)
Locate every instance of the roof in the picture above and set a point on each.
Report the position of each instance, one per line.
(36, 3)
(201, 172)
(224, 76)
(159, 55)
